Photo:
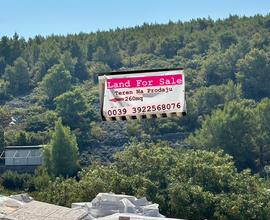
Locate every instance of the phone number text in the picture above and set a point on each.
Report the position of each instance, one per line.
(143, 109)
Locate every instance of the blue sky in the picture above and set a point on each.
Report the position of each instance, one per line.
(32, 17)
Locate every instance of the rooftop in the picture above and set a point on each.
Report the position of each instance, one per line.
(24, 207)
(25, 147)
(106, 206)
(130, 216)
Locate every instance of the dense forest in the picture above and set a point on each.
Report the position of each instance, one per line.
(208, 164)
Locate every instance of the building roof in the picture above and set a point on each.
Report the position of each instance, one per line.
(131, 216)
(106, 204)
(22, 206)
(24, 147)
(36, 210)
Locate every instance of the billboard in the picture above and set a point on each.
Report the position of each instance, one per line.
(142, 94)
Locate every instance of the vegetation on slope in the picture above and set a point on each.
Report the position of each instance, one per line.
(217, 153)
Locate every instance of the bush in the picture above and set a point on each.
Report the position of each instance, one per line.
(41, 179)
(14, 181)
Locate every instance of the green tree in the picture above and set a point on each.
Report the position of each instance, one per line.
(99, 55)
(16, 47)
(5, 117)
(232, 130)
(41, 178)
(226, 39)
(49, 55)
(71, 106)
(81, 71)
(219, 67)
(97, 67)
(41, 121)
(168, 47)
(132, 47)
(97, 131)
(75, 49)
(62, 152)
(69, 62)
(21, 138)
(206, 186)
(186, 183)
(57, 81)
(3, 90)
(18, 77)
(262, 137)
(206, 99)
(62, 192)
(254, 74)
(5, 49)
(2, 65)
(90, 51)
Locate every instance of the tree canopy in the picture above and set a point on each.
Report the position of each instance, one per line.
(57, 81)
(186, 183)
(62, 152)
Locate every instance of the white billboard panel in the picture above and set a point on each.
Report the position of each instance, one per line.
(142, 93)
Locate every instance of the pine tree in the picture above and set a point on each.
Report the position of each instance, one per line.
(62, 152)
(56, 76)
(18, 77)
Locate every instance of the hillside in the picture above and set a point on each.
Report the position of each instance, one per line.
(227, 70)
(219, 57)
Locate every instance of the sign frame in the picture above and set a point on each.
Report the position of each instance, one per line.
(102, 80)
